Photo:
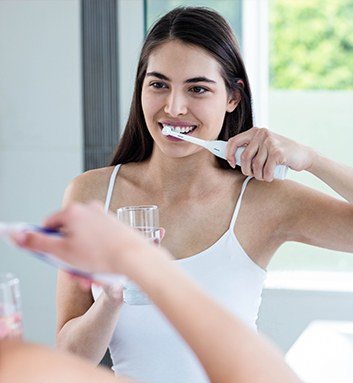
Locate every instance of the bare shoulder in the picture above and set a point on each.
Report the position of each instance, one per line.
(286, 191)
(285, 203)
(88, 186)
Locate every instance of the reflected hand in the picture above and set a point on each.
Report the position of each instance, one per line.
(92, 241)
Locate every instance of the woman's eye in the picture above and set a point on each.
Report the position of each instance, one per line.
(158, 85)
(198, 90)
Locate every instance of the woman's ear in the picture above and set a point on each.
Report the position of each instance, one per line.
(234, 98)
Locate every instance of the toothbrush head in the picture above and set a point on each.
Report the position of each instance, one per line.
(166, 130)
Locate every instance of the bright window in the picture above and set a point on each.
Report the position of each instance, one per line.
(311, 98)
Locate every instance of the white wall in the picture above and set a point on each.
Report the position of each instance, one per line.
(40, 134)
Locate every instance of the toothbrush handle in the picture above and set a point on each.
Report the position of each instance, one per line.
(280, 170)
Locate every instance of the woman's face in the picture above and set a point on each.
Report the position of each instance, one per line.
(183, 87)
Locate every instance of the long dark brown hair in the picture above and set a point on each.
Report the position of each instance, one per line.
(208, 30)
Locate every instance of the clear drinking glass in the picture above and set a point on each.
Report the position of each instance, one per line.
(10, 306)
(145, 219)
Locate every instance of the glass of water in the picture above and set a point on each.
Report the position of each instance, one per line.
(144, 218)
(10, 306)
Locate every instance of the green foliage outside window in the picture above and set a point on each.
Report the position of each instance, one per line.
(311, 44)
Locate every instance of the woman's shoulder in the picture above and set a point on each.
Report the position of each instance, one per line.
(282, 188)
(88, 186)
(281, 196)
(274, 190)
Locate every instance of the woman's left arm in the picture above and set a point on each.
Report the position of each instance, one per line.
(338, 176)
(308, 216)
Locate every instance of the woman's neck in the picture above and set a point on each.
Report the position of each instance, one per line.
(181, 176)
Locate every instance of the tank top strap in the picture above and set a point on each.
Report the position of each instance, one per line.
(237, 206)
(110, 188)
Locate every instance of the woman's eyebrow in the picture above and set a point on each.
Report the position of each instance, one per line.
(158, 75)
(200, 79)
(190, 80)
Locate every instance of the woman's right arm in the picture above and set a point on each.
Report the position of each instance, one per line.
(85, 326)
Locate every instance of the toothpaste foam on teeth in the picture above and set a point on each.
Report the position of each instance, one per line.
(166, 130)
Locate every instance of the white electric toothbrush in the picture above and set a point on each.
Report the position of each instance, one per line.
(218, 148)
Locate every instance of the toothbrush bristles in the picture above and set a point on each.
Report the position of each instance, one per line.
(166, 130)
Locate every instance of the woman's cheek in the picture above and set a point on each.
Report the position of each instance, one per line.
(151, 104)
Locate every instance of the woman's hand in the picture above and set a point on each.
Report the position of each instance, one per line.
(264, 150)
(92, 241)
(113, 293)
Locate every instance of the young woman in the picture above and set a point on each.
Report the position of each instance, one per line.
(228, 350)
(221, 228)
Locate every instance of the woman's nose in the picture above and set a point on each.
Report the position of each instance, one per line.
(175, 104)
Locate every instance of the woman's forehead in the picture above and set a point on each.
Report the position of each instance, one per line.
(178, 60)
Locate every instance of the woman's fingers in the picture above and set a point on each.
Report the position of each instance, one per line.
(241, 139)
(162, 232)
(270, 167)
(263, 151)
(258, 162)
(37, 241)
(246, 139)
(56, 220)
(114, 292)
(247, 157)
(72, 213)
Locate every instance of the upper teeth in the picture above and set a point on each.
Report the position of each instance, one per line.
(179, 129)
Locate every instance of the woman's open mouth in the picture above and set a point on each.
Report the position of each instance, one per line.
(179, 129)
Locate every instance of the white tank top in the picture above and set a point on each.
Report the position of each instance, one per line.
(146, 347)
